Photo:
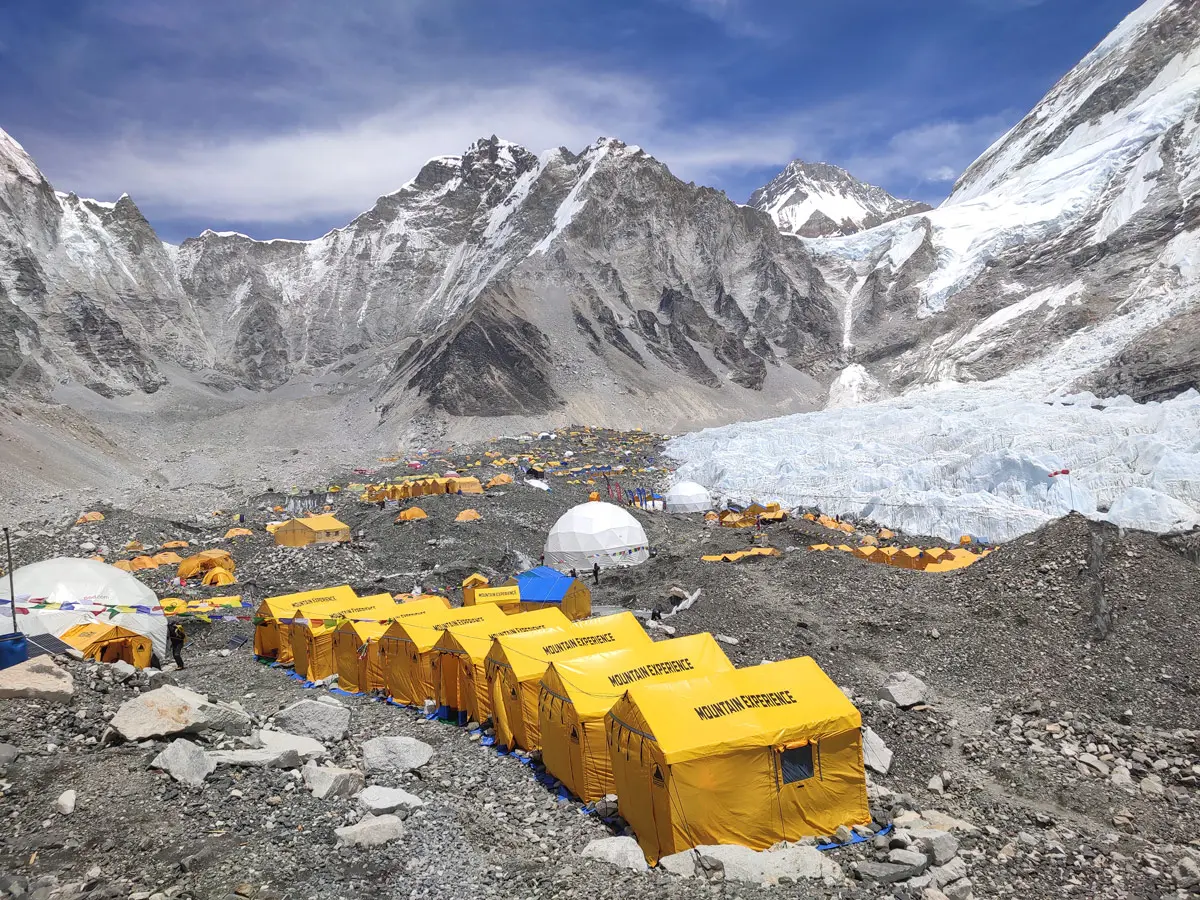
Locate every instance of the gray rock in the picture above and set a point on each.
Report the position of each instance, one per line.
(37, 679)
(330, 783)
(1186, 872)
(372, 831)
(932, 893)
(937, 785)
(914, 859)
(876, 755)
(185, 762)
(171, 710)
(65, 804)
(883, 872)
(378, 800)
(266, 757)
(122, 671)
(959, 890)
(790, 861)
(395, 754)
(1121, 778)
(682, 864)
(1151, 786)
(323, 721)
(607, 806)
(622, 852)
(939, 846)
(8, 755)
(949, 873)
(843, 835)
(308, 748)
(904, 689)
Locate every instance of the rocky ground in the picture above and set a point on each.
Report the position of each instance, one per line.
(1058, 732)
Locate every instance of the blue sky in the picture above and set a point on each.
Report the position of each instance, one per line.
(286, 119)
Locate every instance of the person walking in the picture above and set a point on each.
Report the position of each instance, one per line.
(177, 637)
(596, 573)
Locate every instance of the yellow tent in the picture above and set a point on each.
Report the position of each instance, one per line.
(105, 642)
(516, 663)
(123, 565)
(462, 686)
(870, 541)
(886, 534)
(134, 545)
(218, 576)
(910, 558)
(965, 539)
(468, 515)
(593, 496)
(272, 636)
(312, 530)
(205, 560)
(883, 554)
(499, 480)
(174, 545)
(577, 694)
(951, 560)
(411, 514)
(167, 558)
(470, 583)
(820, 547)
(142, 562)
(506, 597)
(90, 517)
(407, 650)
(460, 485)
(754, 756)
(312, 637)
(356, 656)
(238, 532)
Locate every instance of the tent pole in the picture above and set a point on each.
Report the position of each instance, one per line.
(12, 591)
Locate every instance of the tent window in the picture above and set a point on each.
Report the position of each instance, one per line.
(796, 764)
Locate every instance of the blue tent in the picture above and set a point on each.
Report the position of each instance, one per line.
(545, 586)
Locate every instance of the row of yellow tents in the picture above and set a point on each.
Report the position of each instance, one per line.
(416, 514)
(932, 559)
(740, 555)
(421, 487)
(698, 751)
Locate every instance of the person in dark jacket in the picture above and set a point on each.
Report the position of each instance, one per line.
(596, 573)
(176, 637)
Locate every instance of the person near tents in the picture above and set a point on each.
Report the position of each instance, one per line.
(542, 560)
(574, 574)
(176, 637)
(596, 573)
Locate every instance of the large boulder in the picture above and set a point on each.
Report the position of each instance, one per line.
(378, 800)
(185, 762)
(395, 754)
(8, 755)
(798, 863)
(331, 783)
(171, 710)
(315, 719)
(372, 831)
(876, 755)
(308, 748)
(37, 679)
(264, 758)
(904, 689)
(622, 852)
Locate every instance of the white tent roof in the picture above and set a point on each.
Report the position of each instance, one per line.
(688, 497)
(596, 532)
(81, 590)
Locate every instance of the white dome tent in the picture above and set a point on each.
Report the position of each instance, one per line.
(688, 497)
(76, 591)
(596, 532)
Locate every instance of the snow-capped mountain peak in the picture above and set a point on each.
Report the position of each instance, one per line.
(820, 200)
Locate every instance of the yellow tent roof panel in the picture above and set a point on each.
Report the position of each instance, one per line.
(322, 523)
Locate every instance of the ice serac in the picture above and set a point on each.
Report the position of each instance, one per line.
(1079, 221)
(821, 200)
(88, 293)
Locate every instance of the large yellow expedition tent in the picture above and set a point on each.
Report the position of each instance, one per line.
(311, 530)
(312, 638)
(356, 656)
(754, 756)
(577, 694)
(516, 663)
(272, 637)
(407, 652)
(105, 642)
(462, 685)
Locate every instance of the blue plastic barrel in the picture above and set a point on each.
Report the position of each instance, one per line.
(12, 649)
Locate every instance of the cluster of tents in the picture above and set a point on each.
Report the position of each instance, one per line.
(749, 517)
(214, 567)
(931, 559)
(739, 555)
(698, 751)
(408, 488)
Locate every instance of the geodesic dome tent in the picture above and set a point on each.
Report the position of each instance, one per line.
(596, 532)
(688, 497)
(55, 594)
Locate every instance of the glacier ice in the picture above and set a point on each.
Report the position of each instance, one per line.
(966, 459)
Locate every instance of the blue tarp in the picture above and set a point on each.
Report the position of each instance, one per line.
(543, 585)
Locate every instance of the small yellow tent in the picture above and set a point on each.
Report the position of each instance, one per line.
(312, 637)
(516, 663)
(142, 562)
(312, 530)
(407, 650)
(203, 561)
(470, 583)
(272, 636)
(167, 558)
(951, 560)
(468, 515)
(105, 642)
(577, 694)
(356, 656)
(820, 547)
(90, 517)
(238, 532)
(910, 558)
(500, 480)
(218, 576)
(123, 565)
(461, 485)
(175, 545)
(412, 514)
(886, 534)
(753, 756)
(462, 686)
